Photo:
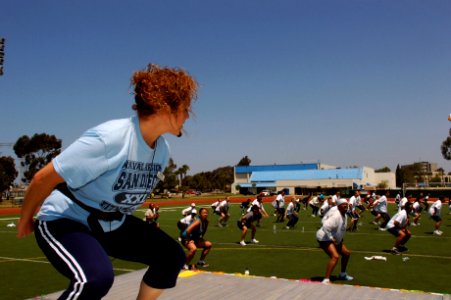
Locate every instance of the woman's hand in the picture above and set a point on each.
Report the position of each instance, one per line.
(25, 227)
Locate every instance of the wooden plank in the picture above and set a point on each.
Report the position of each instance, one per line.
(207, 286)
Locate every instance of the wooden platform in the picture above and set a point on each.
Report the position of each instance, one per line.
(216, 286)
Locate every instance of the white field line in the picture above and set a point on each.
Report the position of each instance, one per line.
(295, 248)
(12, 259)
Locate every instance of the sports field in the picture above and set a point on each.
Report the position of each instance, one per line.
(282, 253)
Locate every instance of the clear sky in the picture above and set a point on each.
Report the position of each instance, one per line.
(345, 82)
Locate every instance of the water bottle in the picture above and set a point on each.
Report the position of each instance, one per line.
(274, 229)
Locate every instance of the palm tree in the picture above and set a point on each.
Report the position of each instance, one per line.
(182, 173)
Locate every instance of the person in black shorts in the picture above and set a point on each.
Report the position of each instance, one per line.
(246, 222)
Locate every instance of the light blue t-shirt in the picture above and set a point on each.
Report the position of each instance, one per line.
(110, 168)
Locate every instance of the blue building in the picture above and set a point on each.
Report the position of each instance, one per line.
(303, 178)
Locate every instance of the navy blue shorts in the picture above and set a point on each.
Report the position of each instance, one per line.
(84, 257)
(325, 245)
(436, 218)
(394, 231)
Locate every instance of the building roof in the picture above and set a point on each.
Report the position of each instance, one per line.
(294, 167)
(271, 176)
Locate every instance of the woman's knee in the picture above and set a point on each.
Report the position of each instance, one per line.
(192, 249)
(334, 257)
(346, 253)
(98, 284)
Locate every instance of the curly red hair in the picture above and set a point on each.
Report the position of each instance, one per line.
(163, 89)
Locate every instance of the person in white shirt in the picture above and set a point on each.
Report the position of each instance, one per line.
(335, 197)
(434, 212)
(187, 211)
(402, 202)
(380, 211)
(327, 204)
(352, 212)
(222, 210)
(359, 203)
(397, 226)
(214, 205)
(151, 215)
(398, 198)
(291, 214)
(259, 203)
(416, 212)
(247, 222)
(280, 208)
(184, 222)
(315, 203)
(330, 239)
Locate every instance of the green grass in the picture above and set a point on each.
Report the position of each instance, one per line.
(292, 254)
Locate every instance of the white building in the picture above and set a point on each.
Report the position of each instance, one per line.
(297, 178)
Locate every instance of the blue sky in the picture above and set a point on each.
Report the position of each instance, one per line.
(346, 83)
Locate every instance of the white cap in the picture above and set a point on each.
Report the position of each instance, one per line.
(193, 204)
(341, 201)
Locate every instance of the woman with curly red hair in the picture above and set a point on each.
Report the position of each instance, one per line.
(87, 195)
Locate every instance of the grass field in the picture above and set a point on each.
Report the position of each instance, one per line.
(282, 253)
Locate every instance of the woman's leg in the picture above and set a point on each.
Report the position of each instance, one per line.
(191, 246)
(76, 254)
(331, 251)
(205, 246)
(345, 255)
(138, 241)
(243, 233)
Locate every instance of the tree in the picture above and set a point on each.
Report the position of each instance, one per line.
(399, 176)
(383, 184)
(170, 178)
(446, 148)
(383, 170)
(182, 172)
(218, 179)
(245, 161)
(8, 173)
(36, 152)
(436, 179)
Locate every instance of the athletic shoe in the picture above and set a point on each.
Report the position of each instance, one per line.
(437, 232)
(202, 264)
(288, 227)
(344, 276)
(375, 223)
(382, 229)
(402, 248)
(188, 267)
(243, 243)
(414, 225)
(326, 281)
(254, 241)
(395, 250)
